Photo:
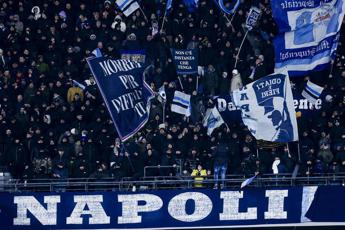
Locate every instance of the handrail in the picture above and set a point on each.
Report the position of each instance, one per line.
(159, 167)
(108, 184)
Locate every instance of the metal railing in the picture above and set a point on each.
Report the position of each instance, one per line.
(153, 183)
(160, 167)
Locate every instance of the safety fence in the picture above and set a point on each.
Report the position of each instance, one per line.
(160, 182)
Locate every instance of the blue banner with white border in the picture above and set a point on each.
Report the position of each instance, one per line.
(308, 34)
(201, 208)
(124, 91)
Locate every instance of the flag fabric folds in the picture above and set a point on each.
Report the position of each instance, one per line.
(168, 6)
(191, 4)
(162, 97)
(308, 34)
(124, 91)
(97, 52)
(253, 17)
(267, 108)
(78, 84)
(212, 120)
(247, 182)
(181, 103)
(127, 6)
(233, 6)
(312, 92)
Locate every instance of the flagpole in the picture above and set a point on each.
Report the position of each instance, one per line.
(299, 152)
(163, 111)
(165, 13)
(288, 149)
(143, 14)
(180, 83)
(197, 83)
(238, 53)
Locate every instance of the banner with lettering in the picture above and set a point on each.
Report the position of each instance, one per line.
(124, 91)
(134, 55)
(186, 61)
(227, 109)
(174, 209)
(232, 113)
(308, 34)
(267, 108)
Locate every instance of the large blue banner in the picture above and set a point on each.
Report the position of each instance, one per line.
(308, 34)
(186, 61)
(124, 91)
(171, 209)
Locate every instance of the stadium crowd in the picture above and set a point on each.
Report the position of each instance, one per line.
(50, 128)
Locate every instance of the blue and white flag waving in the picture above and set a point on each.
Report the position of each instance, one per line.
(212, 120)
(248, 181)
(168, 6)
(97, 52)
(267, 108)
(308, 34)
(228, 10)
(312, 92)
(127, 6)
(124, 92)
(181, 103)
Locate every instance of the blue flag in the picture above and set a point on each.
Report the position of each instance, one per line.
(267, 108)
(97, 52)
(124, 92)
(169, 5)
(308, 34)
(233, 6)
(247, 182)
(191, 5)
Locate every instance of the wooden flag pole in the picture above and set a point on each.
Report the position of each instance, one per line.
(141, 10)
(238, 53)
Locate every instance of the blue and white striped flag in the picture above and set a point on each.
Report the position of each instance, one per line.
(247, 182)
(312, 92)
(127, 6)
(181, 103)
(233, 6)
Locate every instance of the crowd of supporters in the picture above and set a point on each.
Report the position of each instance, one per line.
(50, 128)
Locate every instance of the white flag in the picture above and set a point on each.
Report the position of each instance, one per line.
(267, 108)
(162, 97)
(181, 103)
(212, 120)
